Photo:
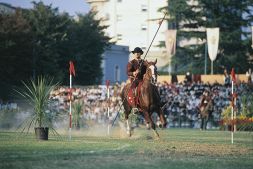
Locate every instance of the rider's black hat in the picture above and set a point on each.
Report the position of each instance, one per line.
(137, 50)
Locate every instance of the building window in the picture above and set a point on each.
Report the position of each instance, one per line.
(119, 1)
(103, 64)
(116, 74)
(144, 8)
(119, 17)
(119, 36)
(107, 16)
(94, 8)
(143, 48)
(143, 27)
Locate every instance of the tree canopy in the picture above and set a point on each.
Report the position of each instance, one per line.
(41, 41)
(191, 18)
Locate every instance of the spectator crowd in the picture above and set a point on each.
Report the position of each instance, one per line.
(181, 101)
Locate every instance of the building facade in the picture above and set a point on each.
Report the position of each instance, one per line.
(114, 62)
(6, 8)
(134, 23)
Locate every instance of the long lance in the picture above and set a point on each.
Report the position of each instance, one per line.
(160, 23)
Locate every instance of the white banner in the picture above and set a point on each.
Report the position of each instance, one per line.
(252, 35)
(170, 41)
(212, 42)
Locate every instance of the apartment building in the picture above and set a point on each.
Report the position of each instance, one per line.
(134, 23)
(6, 8)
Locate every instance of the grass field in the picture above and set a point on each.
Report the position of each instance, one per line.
(177, 148)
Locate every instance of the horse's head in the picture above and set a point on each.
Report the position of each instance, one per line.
(151, 73)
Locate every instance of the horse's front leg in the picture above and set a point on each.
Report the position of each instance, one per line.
(148, 126)
(128, 128)
(149, 120)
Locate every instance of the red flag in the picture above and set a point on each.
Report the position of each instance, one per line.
(72, 68)
(233, 75)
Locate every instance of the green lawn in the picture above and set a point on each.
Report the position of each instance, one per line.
(177, 148)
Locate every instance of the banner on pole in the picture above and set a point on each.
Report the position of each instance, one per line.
(252, 36)
(72, 68)
(212, 42)
(170, 41)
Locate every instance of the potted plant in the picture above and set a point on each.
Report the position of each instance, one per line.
(37, 93)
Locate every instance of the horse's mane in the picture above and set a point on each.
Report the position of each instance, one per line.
(148, 74)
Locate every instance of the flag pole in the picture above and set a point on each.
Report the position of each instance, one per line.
(108, 105)
(235, 113)
(232, 115)
(70, 105)
(71, 71)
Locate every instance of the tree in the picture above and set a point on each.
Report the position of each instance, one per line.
(41, 41)
(86, 43)
(15, 45)
(230, 16)
(49, 30)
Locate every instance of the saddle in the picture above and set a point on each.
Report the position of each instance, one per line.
(133, 99)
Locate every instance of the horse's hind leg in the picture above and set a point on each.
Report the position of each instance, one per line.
(162, 118)
(147, 123)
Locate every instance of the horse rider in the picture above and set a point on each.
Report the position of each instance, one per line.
(205, 108)
(136, 68)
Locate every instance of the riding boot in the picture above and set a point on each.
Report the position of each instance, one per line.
(135, 110)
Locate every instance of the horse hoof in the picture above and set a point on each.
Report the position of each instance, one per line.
(129, 133)
(156, 134)
(157, 138)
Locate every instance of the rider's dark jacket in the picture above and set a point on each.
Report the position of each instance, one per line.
(133, 65)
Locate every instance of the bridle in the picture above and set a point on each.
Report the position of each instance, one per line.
(154, 74)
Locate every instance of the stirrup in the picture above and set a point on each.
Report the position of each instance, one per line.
(134, 110)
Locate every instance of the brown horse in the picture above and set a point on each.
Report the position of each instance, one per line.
(205, 110)
(149, 99)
